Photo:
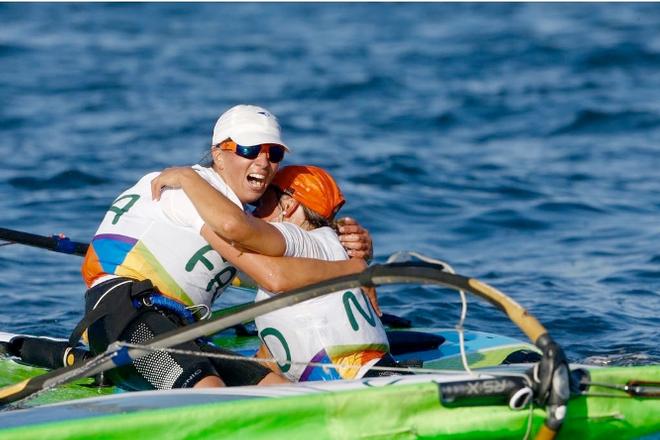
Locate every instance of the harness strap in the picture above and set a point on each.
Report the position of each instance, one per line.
(87, 320)
(139, 289)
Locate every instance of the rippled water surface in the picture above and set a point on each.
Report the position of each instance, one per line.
(519, 142)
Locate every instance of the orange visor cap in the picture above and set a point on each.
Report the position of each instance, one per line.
(312, 186)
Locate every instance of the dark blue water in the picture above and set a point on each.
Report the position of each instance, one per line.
(519, 142)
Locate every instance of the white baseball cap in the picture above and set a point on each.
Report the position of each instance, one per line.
(248, 125)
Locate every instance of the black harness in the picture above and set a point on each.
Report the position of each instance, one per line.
(113, 315)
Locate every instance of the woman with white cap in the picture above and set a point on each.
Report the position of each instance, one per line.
(152, 268)
(295, 218)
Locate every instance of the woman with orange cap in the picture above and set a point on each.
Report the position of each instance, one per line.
(294, 218)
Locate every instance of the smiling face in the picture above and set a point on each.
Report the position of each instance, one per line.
(248, 178)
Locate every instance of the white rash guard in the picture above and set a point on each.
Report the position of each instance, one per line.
(160, 240)
(339, 328)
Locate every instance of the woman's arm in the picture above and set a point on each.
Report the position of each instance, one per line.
(280, 274)
(232, 223)
(221, 214)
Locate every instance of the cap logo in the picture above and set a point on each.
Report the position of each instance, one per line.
(266, 114)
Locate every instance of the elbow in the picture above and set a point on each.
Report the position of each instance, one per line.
(272, 287)
(276, 281)
(230, 229)
(276, 286)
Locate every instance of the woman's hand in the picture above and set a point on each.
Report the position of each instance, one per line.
(169, 178)
(355, 239)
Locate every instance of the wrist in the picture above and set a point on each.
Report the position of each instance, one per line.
(357, 265)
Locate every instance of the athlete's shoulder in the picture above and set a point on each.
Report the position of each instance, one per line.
(326, 233)
(210, 176)
(140, 188)
(330, 241)
(216, 181)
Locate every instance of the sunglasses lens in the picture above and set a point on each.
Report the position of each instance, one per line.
(250, 152)
(275, 153)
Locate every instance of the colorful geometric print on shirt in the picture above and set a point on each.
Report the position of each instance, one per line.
(340, 329)
(159, 240)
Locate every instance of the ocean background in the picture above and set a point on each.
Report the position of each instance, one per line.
(518, 142)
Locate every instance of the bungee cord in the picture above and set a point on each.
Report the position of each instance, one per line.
(485, 373)
(446, 267)
(460, 329)
(530, 419)
(272, 360)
